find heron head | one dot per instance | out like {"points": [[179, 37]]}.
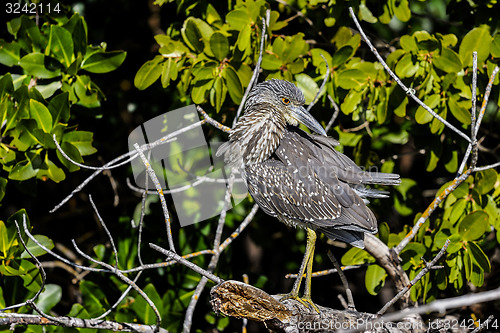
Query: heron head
{"points": [[287, 99]]}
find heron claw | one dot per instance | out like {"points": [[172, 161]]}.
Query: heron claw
{"points": [[305, 300]]}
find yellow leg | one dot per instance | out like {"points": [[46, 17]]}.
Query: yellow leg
{"points": [[305, 267]]}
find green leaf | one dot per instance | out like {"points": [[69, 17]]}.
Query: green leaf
{"points": [[406, 67], [479, 40], [61, 45], [35, 65], [218, 93], [308, 86], [143, 309], [31, 276], [233, 84], [408, 43], [192, 35], [404, 198], [421, 115], [148, 73], [3, 188], [495, 46], [374, 279], [93, 297], [51, 171], [9, 53], [104, 62], [244, 38], [271, 62], [73, 153], [82, 140], [23, 170], [47, 90], [458, 111], [478, 256], [402, 10], [341, 55], [474, 225], [351, 101], [238, 19], [59, 108], [49, 297], [219, 45], [356, 256], [199, 90], [448, 61], [35, 249], [42, 115], [486, 180], [351, 78], [8, 238], [365, 14], [383, 232]]}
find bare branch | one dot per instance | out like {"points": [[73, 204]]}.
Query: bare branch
{"points": [[334, 115], [325, 80], [240, 228], [424, 271], [484, 325], [407, 90], [124, 278], [188, 319], [211, 121], [430, 209], [265, 23], [188, 264], [128, 157], [439, 306], [29, 319], [153, 177], [350, 300]]}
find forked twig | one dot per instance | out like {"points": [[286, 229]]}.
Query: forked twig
{"points": [[424, 271], [407, 90]]}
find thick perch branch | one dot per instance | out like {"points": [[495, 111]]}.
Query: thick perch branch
{"points": [[240, 300]]}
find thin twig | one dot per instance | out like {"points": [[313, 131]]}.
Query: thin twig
{"points": [[407, 90], [113, 247], [38, 266], [334, 115], [484, 325], [439, 306], [350, 300], [328, 271], [131, 155], [153, 177], [240, 228], [125, 279], [212, 121], [325, 80], [188, 319], [188, 264], [9, 319], [265, 23], [424, 271], [430, 209]]}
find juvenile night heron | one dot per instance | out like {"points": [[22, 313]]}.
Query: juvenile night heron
{"points": [[300, 178]]}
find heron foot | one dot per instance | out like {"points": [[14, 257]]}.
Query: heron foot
{"points": [[304, 300]]}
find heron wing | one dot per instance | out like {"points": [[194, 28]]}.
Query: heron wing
{"points": [[318, 152], [304, 199]]}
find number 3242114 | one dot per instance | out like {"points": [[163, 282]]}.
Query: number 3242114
{"points": [[31, 8]]}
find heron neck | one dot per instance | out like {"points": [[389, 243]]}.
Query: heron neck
{"points": [[259, 132]]}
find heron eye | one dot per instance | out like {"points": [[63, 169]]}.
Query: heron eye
{"points": [[285, 100]]}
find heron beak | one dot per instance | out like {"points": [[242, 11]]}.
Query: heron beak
{"points": [[304, 117]]}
